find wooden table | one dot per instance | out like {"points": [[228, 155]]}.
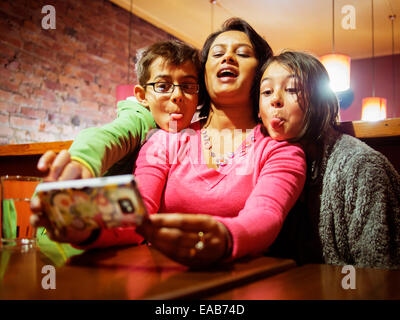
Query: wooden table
{"points": [[136, 272], [319, 282]]}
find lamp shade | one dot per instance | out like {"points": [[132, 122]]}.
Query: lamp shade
{"points": [[338, 67], [373, 109]]}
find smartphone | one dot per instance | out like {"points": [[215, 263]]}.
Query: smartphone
{"points": [[104, 202]]}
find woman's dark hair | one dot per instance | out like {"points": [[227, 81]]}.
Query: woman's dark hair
{"points": [[261, 48], [315, 96]]}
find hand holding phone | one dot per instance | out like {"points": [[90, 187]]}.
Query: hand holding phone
{"points": [[87, 204]]}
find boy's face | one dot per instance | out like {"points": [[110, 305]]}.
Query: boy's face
{"points": [[280, 111], [171, 111]]}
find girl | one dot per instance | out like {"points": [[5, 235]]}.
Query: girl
{"points": [[350, 209]]}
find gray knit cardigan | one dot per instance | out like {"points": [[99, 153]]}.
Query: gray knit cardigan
{"points": [[359, 216]]}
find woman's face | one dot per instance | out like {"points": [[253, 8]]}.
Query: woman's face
{"points": [[230, 68], [280, 111]]}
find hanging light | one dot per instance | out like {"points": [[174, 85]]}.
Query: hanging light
{"points": [[212, 5], [125, 91], [337, 65], [373, 108]]}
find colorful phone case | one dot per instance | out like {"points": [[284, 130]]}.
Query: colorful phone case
{"points": [[91, 204]]}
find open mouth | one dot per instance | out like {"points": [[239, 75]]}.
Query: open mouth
{"points": [[227, 73]]}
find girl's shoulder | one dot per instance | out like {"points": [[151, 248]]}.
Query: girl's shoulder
{"points": [[351, 154]]}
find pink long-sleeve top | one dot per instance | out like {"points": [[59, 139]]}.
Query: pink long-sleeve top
{"points": [[251, 195]]}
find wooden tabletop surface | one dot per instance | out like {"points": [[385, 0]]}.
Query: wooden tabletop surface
{"points": [[136, 272], [317, 282]]}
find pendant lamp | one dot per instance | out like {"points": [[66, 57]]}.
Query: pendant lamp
{"points": [[337, 65], [373, 108], [125, 91]]}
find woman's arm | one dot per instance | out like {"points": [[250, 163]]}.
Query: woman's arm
{"points": [[278, 187], [281, 179]]}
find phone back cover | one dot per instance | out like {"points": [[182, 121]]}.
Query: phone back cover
{"points": [[109, 206]]}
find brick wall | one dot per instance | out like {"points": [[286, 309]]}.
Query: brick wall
{"points": [[55, 82]]}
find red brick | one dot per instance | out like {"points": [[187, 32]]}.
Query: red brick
{"points": [[52, 85], [6, 131], [5, 95], [86, 76], [8, 107], [6, 51], [52, 127], [51, 106], [33, 82], [18, 77], [90, 105], [26, 89], [11, 39], [33, 113], [68, 81], [28, 24], [23, 101], [4, 119], [105, 99], [39, 51], [37, 136], [45, 94], [8, 85], [23, 123]]}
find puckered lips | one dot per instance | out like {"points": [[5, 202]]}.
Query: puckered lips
{"points": [[277, 122], [227, 73], [176, 116]]}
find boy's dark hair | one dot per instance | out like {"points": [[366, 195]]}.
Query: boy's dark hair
{"points": [[174, 52], [262, 52], [315, 96]]}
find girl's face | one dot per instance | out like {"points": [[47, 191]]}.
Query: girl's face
{"points": [[230, 68], [279, 107]]}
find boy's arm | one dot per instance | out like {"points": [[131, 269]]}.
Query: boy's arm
{"points": [[99, 149]]}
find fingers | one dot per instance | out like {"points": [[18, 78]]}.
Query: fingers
{"points": [[186, 222], [53, 162], [46, 160], [58, 165], [74, 170], [193, 240], [35, 204]]}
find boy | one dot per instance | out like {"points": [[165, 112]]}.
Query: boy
{"points": [[168, 74]]}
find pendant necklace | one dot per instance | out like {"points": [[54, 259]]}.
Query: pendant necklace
{"points": [[224, 159]]}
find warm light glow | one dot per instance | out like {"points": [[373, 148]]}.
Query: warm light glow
{"points": [[338, 67], [373, 109]]}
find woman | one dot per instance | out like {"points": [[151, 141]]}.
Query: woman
{"points": [[351, 207], [248, 181], [243, 186]]}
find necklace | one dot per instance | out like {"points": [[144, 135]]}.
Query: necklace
{"points": [[224, 159]]}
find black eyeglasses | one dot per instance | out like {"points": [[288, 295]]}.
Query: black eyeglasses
{"points": [[167, 87]]}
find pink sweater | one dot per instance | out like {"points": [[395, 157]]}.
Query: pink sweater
{"points": [[251, 195]]}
